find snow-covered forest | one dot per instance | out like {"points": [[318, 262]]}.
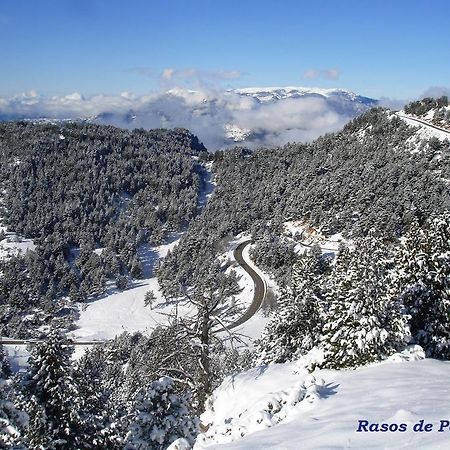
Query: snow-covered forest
{"points": [[358, 284]]}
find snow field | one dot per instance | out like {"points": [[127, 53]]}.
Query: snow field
{"points": [[310, 236], [255, 409], [251, 401], [12, 244], [120, 311]]}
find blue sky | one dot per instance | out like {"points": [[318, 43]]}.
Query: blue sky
{"points": [[379, 48]]}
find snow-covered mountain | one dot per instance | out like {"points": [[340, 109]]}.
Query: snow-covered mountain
{"points": [[339, 101], [251, 116], [269, 94]]}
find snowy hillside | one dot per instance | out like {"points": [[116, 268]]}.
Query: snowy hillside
{"points": [[283, 407], [118, 311], [425, 128], [344, 288], [10, 243], [429, 111]]}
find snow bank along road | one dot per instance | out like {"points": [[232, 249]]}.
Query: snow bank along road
{"points": [[260, 285], [423, 122], [258, 298]]}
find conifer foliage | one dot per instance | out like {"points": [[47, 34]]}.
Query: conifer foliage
{"points": [[352, 310], [52, 400], [424, 260], [161, 416], [296, 324], [364, 320], [12, 419], [89, 202]]}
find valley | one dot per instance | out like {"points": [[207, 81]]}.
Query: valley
{"points": [[162, 264]]}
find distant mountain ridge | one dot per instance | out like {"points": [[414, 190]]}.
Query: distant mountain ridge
{"points": [[279, 93], [256, 116]]}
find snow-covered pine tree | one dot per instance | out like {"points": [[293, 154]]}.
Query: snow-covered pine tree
{"points": [[12, 420], [424, 260], [51, 397], [100, 412], [5, 368], [364, 321], [160, 417], [136, 268], [296, 323], [149, 299]]}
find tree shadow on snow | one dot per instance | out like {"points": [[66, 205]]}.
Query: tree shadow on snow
{"points": [[148, 257], [328, 390]]}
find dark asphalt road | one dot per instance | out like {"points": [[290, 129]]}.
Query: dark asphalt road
{"points": [[258, 299], [424, 123], [260, 287]]}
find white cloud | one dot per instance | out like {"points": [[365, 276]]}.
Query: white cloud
{"points": [[207, 112], [392, 103], [167, 74], [436, 91], [331, 74], [328, 74], [311, 74], [292, 119], [171, 77], [196, 78]]}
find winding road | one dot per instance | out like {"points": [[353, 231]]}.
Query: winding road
{"points": [[258, 299], [423, 122], [260, 286]]}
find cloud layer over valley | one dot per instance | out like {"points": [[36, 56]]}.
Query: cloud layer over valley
{"points": [[220, 118]]}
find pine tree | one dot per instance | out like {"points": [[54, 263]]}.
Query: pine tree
{"points": [[52, 399], [136, 268], [161, 416], [296, 323], [149, 299], [203, 333], [99, 412], [364, 321], [424, 260], [121, 282], [5, 368], [12, 420]]}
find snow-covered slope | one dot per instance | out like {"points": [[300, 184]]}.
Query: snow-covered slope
{"points": [[282, 407], [12, 244], [118, 311], [425, 129]]}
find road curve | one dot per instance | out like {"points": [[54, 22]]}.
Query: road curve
{"points": [[260, 286], [423, 122], [258, 299]]}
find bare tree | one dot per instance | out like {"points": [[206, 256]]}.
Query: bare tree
{"points": [[211, 309]]}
